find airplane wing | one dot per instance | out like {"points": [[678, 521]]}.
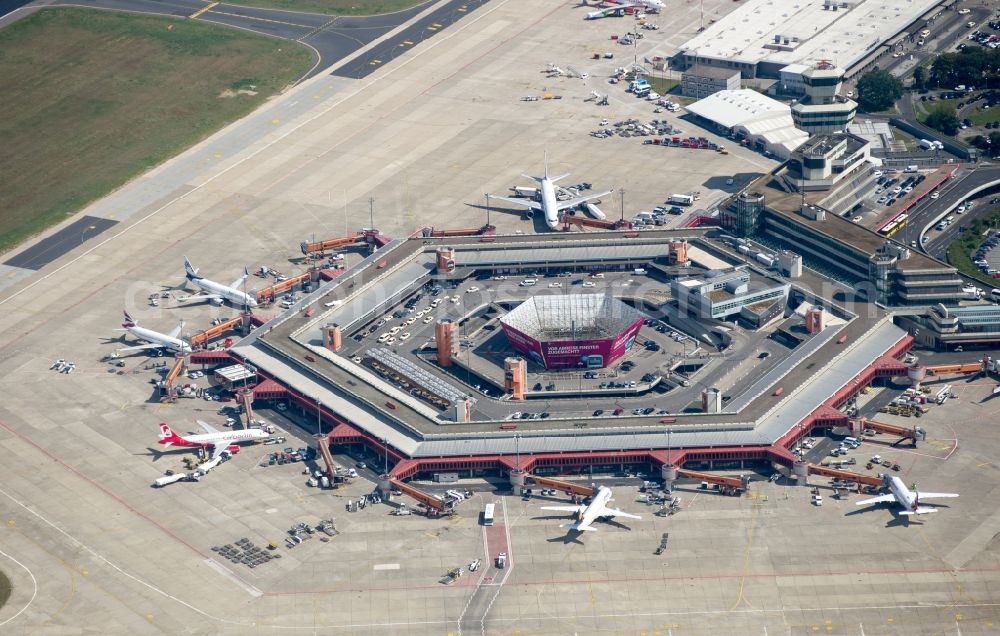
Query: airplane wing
{"points": [[197, 298], [879, 499], [614, 512], [575, 201], [534, 205], [562, 508], [921, 495], [176, 330], [219, 448], [208, 427], [139, 347]]}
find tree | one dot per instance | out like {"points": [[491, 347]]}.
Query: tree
{"points": [[919, 77], [995, 143], [878, 90], [943, 118]]}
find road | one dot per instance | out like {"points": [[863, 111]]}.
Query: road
{"points": [[956, 191], [331, 38]]}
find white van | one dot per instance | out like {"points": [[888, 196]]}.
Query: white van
{"points": [[639, 271], [528, 282]]}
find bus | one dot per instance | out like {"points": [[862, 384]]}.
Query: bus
{"points": [[894, 225], [488, 514]]}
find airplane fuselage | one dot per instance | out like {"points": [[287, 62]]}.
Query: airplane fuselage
{"points": [[550, 207], [647, 4], [593, 511], [904, 497], [157, 338], [214, 439], [235, 296]]}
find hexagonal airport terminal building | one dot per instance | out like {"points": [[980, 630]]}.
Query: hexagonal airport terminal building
{"points": [[572, 330]]}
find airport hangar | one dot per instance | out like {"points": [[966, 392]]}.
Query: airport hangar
{"points": [[293, 354]]}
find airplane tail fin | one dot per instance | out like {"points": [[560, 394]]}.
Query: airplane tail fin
{"points": [[578, 527], [191, 270], [167, 436], [129, 321]]}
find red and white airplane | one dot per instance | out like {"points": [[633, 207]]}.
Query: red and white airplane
{"points": [[219, 440]]}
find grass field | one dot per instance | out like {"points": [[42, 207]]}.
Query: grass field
{"points": [[5, 589], [94, 98], [335, 7], [982, 117]]}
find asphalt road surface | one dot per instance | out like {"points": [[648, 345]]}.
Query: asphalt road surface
{"points": [[954, 193], [49, 249], [416, 33], [332, 38]]}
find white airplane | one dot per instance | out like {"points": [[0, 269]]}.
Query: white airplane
{"points": [[554, 71], [217, 293], [219, 440], [651, 5], [655, 5], [154, 339], [586, 515], [549, 206], [910, 501]]}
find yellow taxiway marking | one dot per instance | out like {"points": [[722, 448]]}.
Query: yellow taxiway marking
{"points": [[463, 8], [275, 121], [207, 7], [434, 27], [375, 62]]}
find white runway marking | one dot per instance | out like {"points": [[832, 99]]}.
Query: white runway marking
{"points": [[34, 592], [224, 571]]}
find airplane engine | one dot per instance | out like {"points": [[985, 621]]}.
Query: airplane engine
{"points": [[529, 214], [216, 301]]}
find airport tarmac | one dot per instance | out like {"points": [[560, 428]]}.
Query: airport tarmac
{"points": [[768, 561], [88, 544]]}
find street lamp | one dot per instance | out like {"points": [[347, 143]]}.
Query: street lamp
{"points": [[487, 208], [517, 450], [385, 447], [319, 417]]}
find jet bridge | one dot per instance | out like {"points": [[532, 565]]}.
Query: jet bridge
{"points": [[845, 475], [565, 486], [916, 434], [371, 237], [428, 500]]}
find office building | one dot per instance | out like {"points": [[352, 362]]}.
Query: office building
{"points": [[720, 294], [700, 81]]}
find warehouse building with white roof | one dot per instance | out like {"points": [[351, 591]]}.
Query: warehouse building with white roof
{"points": [[766, 123], [763, 36]]}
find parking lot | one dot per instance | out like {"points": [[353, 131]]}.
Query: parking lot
{"points": [[664, 373]]}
